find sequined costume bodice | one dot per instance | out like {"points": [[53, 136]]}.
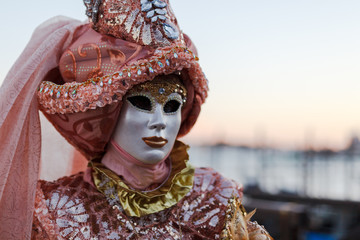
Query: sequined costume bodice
{"points": [[71, 208]]}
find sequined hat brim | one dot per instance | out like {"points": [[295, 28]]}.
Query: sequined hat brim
{"points": [[75, 96]]}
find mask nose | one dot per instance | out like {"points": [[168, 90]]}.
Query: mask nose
{"points": [[157, 120]]}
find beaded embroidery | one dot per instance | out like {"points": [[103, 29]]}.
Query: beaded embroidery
{"points": [[238, 225], [147, 22], [160, 89]]}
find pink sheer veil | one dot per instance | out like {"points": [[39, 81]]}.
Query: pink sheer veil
{"points": [[20, 134]]}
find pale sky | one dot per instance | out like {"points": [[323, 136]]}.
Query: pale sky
{"points": [[283, 71]]}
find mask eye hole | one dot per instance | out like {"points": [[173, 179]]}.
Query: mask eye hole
{"points": [[141, 102], [171, 106]]}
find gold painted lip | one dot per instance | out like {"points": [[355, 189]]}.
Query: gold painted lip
{"points": [[155, 142]]}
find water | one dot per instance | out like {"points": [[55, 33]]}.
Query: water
{"points": [[334, 176]]}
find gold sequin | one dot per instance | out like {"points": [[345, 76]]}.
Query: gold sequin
{"points": [[161, 88]]}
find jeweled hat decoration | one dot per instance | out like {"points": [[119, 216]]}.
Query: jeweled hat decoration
{"points": [[147, 22]]}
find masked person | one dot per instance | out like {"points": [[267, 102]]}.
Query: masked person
{"points": [[121, 89]]}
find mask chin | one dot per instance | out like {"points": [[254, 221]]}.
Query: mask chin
{"points": [[155, 157]]}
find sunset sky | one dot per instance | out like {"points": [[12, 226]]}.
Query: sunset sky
{"points": [[281, 73]]}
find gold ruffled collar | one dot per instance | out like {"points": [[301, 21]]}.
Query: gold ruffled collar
{"points": [[137, 203]]}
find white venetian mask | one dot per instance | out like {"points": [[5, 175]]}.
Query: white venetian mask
{"points": [[149, 121]]}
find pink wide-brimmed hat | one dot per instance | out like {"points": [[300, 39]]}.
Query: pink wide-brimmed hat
{"points": [[126, 43]]}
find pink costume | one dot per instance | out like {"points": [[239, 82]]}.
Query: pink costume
{"points": [[78, 75], [134, 172]]}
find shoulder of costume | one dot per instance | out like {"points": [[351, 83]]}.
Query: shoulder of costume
{"points": [[63, 183], [211, 183]]}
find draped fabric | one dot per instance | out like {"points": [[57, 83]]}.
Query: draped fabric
{"points": [[20, 125]]}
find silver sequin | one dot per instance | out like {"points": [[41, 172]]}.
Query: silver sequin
{"points": [[146, 6], [146, 36], [158, 36], [207, 216], [86, 232], [113, 235], [170, 31], [206, 182], [154, 19], [162, 17], [62, 201], [81, 218], [136, 32], [214, 221], [160, 11], [150, 14], [54, 200], [159, 4], [76, 209], [66, 231], [129, 22], [69, 204]]}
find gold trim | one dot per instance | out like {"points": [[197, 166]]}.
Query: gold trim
{"points": [[238, 225], [160, 88], [236, 221]]}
